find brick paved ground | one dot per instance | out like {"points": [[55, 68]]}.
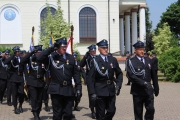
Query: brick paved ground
{"points": [[167, 105]]}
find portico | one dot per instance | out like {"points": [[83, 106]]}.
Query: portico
{"points": [[128, 24]]}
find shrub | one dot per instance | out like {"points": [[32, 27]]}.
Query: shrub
{"points": [[3, 48], [169, 64]]}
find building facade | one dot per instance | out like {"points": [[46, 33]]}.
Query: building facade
{"points": [[93, 20]]}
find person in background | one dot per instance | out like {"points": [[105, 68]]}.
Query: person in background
{"points": [[155, 61], [17, 79], [88, 61], [77, 98], [9, 88], [127, 58], [3, 76]]}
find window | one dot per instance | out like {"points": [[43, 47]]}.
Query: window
{"points": [[43, 15], [87, 25], [44, 12]]}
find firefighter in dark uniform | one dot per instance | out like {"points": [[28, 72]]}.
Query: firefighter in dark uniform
{"points": [[9, 88], [35, 80], [155, 61], [62, 69], [140, 70], [17, 80], [25, 75], [3, 76], [87, 61], [127, 58], [100, 82], [82, 72]]}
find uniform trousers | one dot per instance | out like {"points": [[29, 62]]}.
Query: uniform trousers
{"points": [[62, 106], [2, 88], [105, 107], [9, 91], [17, 91], [139, 102], [91, 103], [45, 96], [36, 94]]}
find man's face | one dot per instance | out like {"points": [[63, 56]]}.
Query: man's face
{"points": [[62, 49], [127, 55], [140, 52], [92, 52], [103, 50], [17, 53]]}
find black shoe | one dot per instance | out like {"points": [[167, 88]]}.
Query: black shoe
{"points": [[93, 115], [16, 111], [47, 109], [9, 103], [73, 116], [36, 116], [20, 109], [0, 102], [76, 109]]}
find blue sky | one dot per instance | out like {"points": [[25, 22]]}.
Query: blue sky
{"points": [[157, 7]]}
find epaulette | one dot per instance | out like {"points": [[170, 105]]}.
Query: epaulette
{"points": [[53, 54], [132, 57]]}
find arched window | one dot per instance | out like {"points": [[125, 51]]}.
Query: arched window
{"points": [[43, 15], [44, 12], [87, 25]]}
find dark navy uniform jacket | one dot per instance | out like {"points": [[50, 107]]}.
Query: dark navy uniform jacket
{"points": [[17, 75], [97, 84], [3, 70], [155, 63], [60, 75], [87, 62], [138, 80], [34, 78]]}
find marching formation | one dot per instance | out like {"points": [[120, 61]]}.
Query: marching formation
{"points": [[38, 73]]}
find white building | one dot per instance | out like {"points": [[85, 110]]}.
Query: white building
{"points": [[93, 20]]}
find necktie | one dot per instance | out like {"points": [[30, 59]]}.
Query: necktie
{"points": [[19, 59], [142, 60], [62, 56], [105, 60]]}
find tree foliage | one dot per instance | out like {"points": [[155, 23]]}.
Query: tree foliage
{"points": [[171, 16], [148, 21], [163, 39], [3, 48], [169, 64], [54, 24], [149, 42]]}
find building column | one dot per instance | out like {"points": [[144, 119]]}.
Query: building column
{"points": [[127, 31], [121, 37], [134, 28], [142, 23]]}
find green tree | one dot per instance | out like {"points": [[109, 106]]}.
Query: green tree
{"points": [[149, 35], [54, 24], [171, 16], [148, 21], [169, 64], [162, 40]]}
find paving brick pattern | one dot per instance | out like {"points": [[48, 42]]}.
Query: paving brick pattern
{"points": [[167, 105]]}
